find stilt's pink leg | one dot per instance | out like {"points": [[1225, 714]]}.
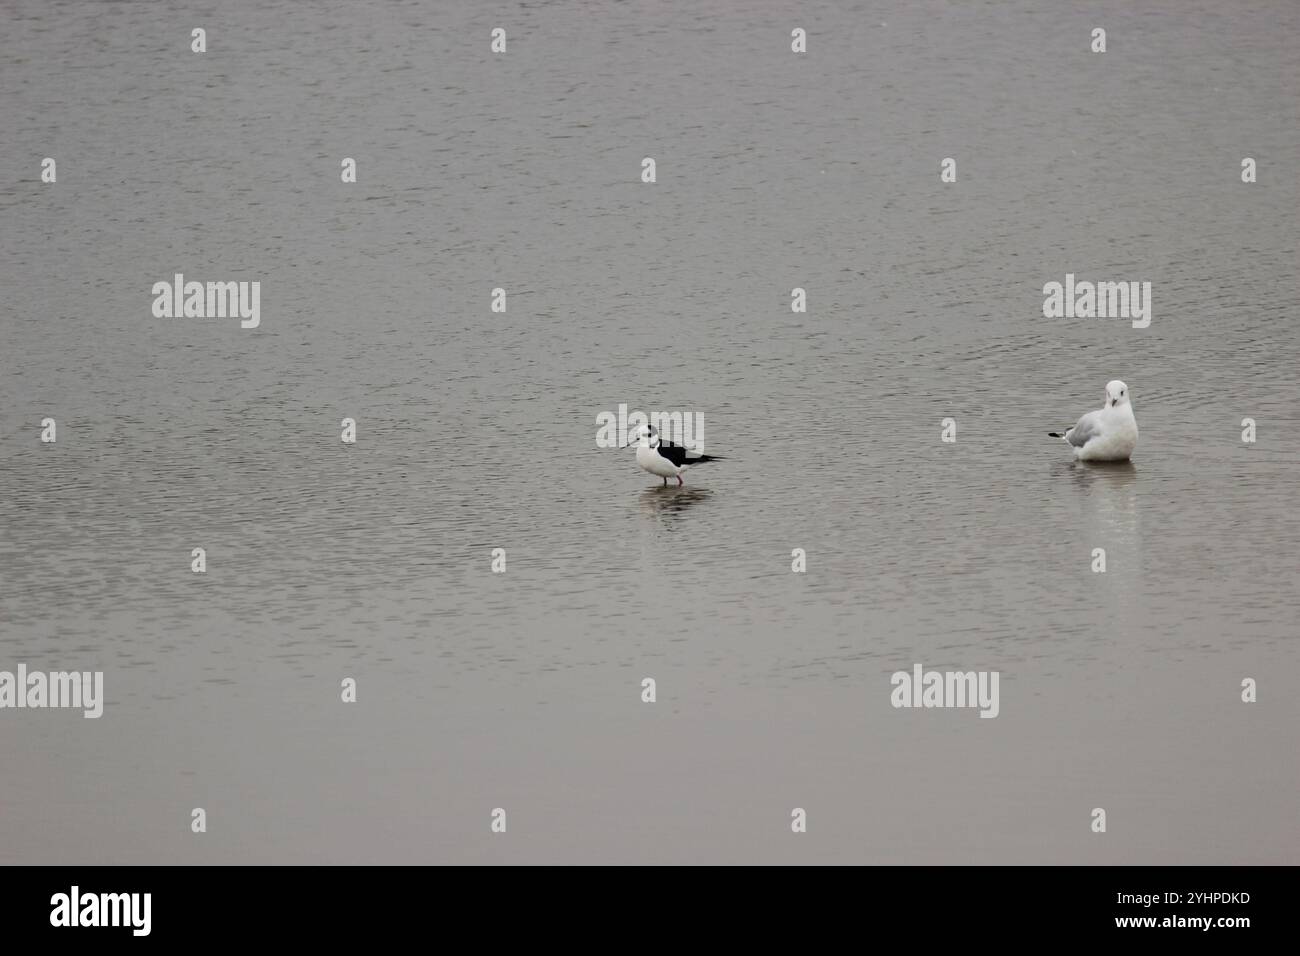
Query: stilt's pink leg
{"points": [[679, 481]]}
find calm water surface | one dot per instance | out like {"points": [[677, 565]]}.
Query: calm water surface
{"points": [[477, 431]]}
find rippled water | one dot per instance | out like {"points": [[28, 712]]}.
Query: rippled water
{"points": [[477, 431]]}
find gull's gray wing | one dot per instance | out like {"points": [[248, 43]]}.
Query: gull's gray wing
{"points": [[1089, 426]]}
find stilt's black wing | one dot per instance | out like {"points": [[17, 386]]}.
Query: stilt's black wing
{"points": [[674, 453], [679, 456]]}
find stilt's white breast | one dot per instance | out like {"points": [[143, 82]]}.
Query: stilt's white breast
{"points": [[655, 463]]}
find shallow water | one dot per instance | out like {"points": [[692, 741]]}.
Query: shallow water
{"points": [[477, 431]]}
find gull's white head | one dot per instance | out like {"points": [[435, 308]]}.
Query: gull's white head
{"points": [[1116, 394]]}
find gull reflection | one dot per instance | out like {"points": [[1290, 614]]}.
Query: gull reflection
{"points": [[1110, 513]]}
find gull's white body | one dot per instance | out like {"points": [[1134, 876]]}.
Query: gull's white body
{"points": [[1108, 434], [1118, 438]]}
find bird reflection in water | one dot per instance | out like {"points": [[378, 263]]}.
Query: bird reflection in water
{"points": [[672, 502], [1112, 474], [1109, 488], [1110, 516]]}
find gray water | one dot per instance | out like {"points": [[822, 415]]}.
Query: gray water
{"points": [[476, 430]]}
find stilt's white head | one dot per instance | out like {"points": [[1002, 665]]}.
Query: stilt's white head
{"points": [[646, 435], [1116, 394]]}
